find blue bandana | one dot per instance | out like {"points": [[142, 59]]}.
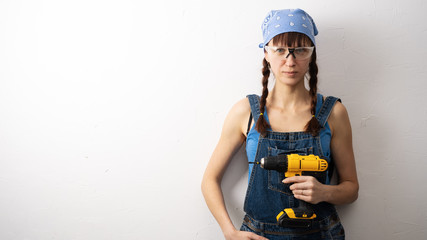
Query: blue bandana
{"points": [[287, 20]]}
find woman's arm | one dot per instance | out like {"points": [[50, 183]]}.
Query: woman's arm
{"points": [[346, 191], [342, 151], [232, 138]]}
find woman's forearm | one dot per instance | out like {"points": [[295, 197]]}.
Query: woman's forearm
{"points": [[214, 199], [343, 193]]}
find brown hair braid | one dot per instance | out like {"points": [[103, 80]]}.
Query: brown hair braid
{"points": [[262, 125], [313, 125]]}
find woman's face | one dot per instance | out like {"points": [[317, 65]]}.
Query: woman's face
{"points": [[288, 64]]}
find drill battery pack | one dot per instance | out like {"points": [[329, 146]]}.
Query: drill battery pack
{"points": [[296, 217]]}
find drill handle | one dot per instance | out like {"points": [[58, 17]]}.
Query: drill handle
{"points": [[304, 210], [320, 176]]}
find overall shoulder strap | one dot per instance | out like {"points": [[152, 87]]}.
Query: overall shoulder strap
{"points": [[326, 110], [254, 102]]}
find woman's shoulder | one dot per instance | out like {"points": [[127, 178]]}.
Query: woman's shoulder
{"points": [[239, 114], [339, 111], [339, 118], [241, 107]]}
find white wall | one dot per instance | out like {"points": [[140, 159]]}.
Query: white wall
{"points": [[110, 111]]}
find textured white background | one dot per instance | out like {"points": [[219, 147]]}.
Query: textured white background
{"points": [[109, 111]]}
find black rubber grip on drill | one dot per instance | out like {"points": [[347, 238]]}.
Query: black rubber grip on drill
{"points": [[278, 163]]}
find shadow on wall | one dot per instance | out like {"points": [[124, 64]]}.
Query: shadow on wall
{"points": [[363, 80], [234, 185]]}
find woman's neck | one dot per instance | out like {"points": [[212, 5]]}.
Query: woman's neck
{"points": [[286, 97]]}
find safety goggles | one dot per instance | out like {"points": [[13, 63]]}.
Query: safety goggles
{"points": [[299, 53]]}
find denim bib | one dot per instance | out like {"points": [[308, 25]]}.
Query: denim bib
{"points": [[266, 195]]}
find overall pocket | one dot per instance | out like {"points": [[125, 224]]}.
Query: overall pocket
{"points": [[275, 178]]}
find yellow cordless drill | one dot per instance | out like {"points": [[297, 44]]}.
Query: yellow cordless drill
{"points": [[297, 165]]}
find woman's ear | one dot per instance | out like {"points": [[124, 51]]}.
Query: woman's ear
{"points": [[266, 57]]}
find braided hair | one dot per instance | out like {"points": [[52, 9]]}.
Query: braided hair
{"points": [[262, 125], [288, 39]]}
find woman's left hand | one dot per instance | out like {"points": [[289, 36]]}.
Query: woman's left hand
{"points": [[306, 188]]}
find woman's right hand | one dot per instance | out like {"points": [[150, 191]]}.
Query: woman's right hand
{"points": [[242, 235]]}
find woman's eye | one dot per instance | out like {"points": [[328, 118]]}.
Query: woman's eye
{"points": [[280, 50], [300, 50]]}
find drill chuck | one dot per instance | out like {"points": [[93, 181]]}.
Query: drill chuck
{"points": [[278, 163]]}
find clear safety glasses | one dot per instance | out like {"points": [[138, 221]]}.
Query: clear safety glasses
{"points": [[299, 53]]}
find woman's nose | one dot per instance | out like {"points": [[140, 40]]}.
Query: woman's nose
{"points": [[290, 60]]}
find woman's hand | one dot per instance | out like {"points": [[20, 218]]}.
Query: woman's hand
{"points": [[242, 235], [306, 188]]}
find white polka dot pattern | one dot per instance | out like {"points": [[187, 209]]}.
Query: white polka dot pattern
{"points": [[287, 20]]}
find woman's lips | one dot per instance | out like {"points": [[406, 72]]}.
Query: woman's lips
{"points": [[290, 73]]}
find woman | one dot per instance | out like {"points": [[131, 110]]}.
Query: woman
{"points": [[288, 119]]}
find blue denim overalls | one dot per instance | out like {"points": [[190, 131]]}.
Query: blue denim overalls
{"points": [[267, 195]]}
